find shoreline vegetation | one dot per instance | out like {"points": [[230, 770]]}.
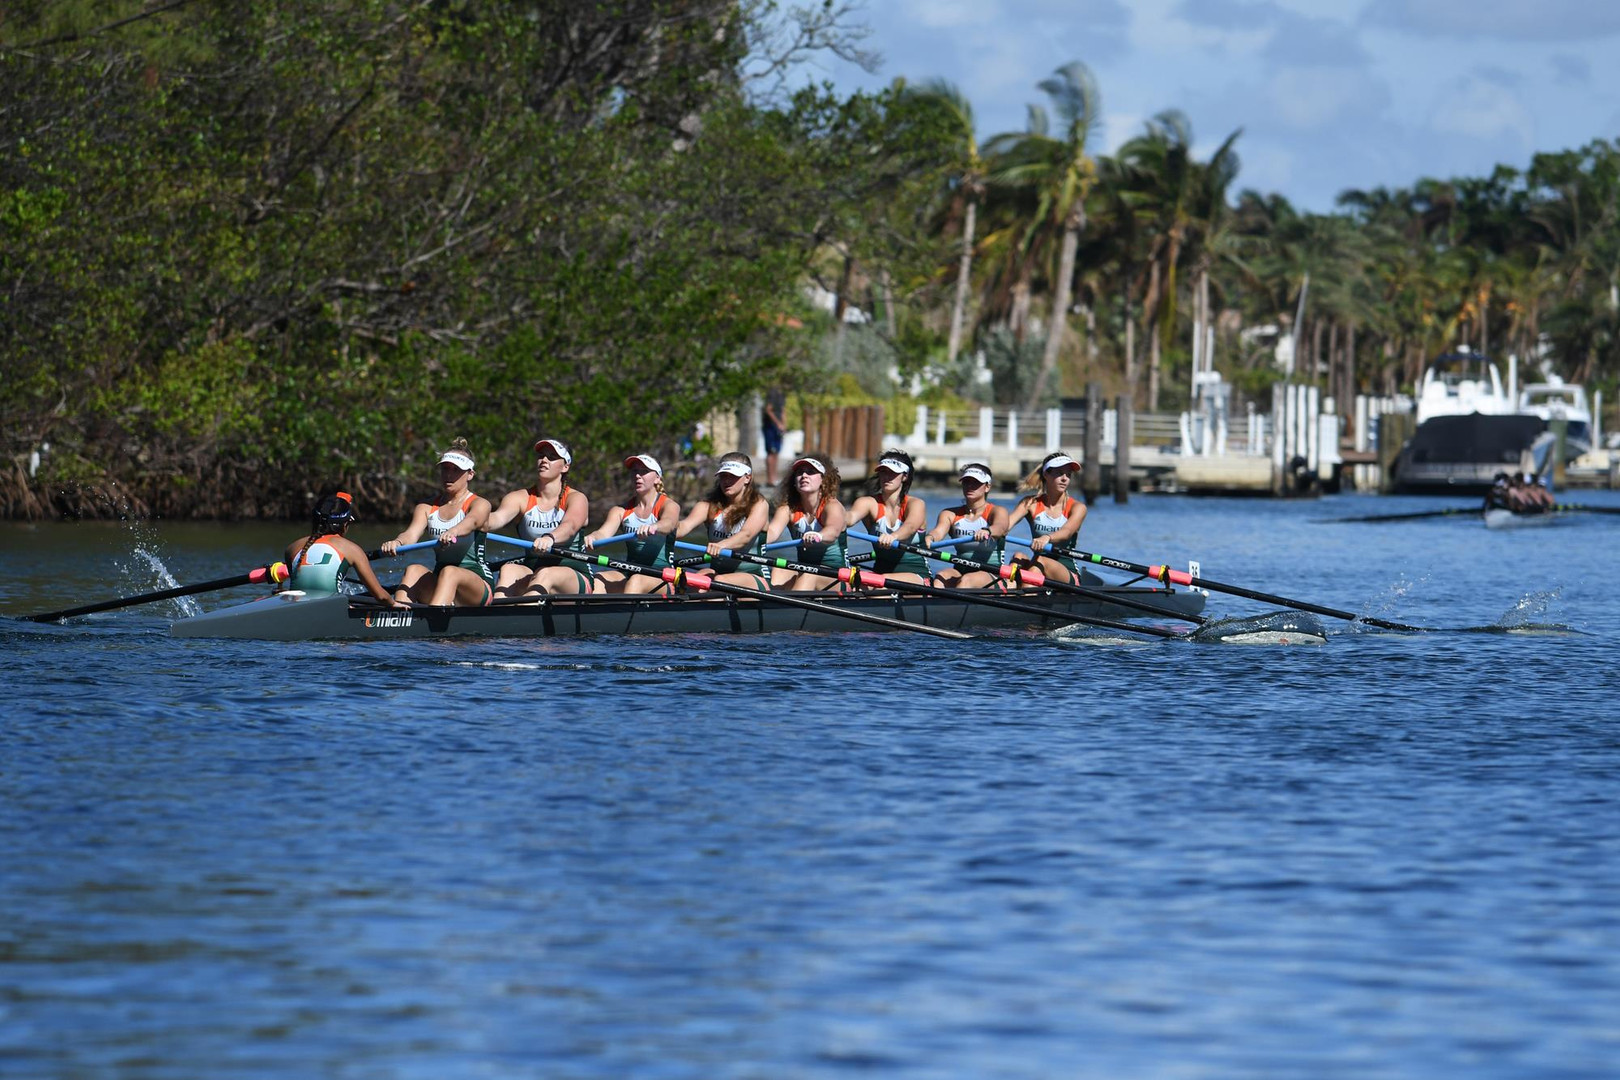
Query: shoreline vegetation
{"points": [[249, 251]]}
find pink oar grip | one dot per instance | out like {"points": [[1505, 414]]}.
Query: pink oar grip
{"points": [[1164, 573]]}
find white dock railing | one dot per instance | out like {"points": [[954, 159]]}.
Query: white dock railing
{"points": [[1045, 430]]}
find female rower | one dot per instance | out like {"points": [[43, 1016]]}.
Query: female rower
{"points": [[460, 575], [549, 515], [896, 518], [979, 518], [808, 511], [735, 514], [319, 561], [648, 513], [1054, 517]]}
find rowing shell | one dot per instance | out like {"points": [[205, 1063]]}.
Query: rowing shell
{"points": [[294, 616], [1498, 517]]}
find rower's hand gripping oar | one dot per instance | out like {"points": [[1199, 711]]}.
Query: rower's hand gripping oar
{"points": [[871, 580], [274, 574], [1028, 575], [1168, 576], [675, 575]]}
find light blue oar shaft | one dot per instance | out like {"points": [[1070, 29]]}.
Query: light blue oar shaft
{"points": [[513, 541], [948, 543], [780, 544]]}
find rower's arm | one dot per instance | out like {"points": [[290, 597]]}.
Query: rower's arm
{"points": [[1071, 527], [575, 515], [609, 527], [356, 557], [413, 532], [698, 515], [477, 520], [511, 505]]}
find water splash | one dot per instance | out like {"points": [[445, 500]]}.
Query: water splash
{"points": [[147, 571], [1387, 604], [1277, 628]]}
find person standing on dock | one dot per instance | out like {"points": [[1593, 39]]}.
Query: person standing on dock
{"points": [[976, 517], [1054, 516], [773, 425]]}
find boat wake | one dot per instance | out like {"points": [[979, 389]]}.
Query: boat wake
{"points": [[1277, 628]]}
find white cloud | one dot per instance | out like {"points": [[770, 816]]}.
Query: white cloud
{"points": [[1480, 109]]}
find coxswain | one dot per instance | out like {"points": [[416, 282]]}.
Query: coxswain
{"points": [[1054, 516], [321, 562], [460, 575], [648, 513], [976, 517], [808, 511], [895, 518], [549, 515]]}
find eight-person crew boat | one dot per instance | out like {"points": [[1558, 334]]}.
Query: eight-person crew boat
{"points": [[549, 515], [648, 513], [460, 573]]}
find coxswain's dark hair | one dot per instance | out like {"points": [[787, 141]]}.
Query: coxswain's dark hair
{"points": [[334, 513]]}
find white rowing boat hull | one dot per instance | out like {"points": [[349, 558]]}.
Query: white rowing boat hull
{"points": [[295, 617], [1500, 518]]}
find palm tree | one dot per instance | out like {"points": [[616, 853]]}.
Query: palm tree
{"points": [[968, 180], [1061, 172]]}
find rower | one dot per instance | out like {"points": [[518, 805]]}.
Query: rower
{"points": [[976, 517], [648, 513], [458, 523], [549, 515], [808, 511], [321, 561], [1054, 516], [734, 515], [895, 517]]}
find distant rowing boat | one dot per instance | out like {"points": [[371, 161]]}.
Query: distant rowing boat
{"points": [[293, 616]]}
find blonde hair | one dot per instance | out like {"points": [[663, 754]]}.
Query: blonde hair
{"points": [[1036, 481], [458, 445]]}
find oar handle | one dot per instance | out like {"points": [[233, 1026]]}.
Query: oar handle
{"points": [[513, 541], [780, 544], [621, 538], [402, 549], [686, 545]]}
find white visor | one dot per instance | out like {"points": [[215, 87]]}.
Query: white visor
{"points": [[813, 463], [1062, 461], [458, 459], [645, 459], [734, 468], [558, 448], [894, 465], [976, 472]]}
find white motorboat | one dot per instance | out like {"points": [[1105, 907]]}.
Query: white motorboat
{"points": [[1461, 384], [1557, 400]]}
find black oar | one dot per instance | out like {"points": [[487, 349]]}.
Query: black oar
{"points": [[275, 573], [704, 583], [1180, 577], [1029, 575], [871, 580], [1454, 511], [1581, 508]]}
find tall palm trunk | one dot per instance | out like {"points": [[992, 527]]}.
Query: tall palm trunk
{"points": [[964, 273], [1149, 313], [1060, 309]]}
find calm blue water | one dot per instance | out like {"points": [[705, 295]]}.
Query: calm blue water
{"points": [[820, 856]]}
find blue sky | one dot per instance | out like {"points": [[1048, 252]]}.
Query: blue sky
{"points": [[1330, 94]]}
